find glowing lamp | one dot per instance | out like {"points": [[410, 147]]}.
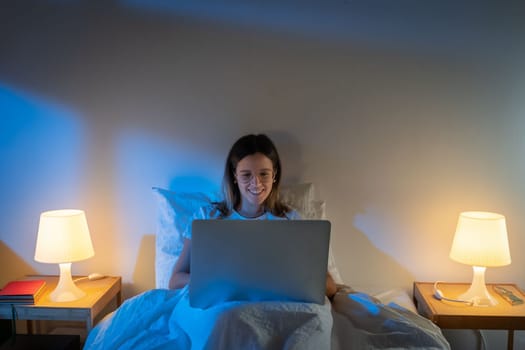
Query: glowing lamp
{"points": [[480, 241], [63, 238]]}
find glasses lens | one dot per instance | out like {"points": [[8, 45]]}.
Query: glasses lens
{"points": [[247, 177]]}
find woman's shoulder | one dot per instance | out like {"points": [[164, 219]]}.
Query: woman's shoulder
{"points": [[289, 215], [293, 215], [209, 211]]}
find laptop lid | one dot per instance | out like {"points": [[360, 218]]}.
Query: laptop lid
{"points": [[258, 260]]}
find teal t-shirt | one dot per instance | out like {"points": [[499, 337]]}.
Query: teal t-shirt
{"points": [[211, 212]]}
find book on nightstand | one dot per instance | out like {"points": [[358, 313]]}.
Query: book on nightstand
{"points": [[22, 292]]}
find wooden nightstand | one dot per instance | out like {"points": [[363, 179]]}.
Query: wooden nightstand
{"points": [[99, 295], [452, 315]]}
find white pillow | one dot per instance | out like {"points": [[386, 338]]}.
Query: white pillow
{"points": [[302, 198], [175, 210], [299, 197]]}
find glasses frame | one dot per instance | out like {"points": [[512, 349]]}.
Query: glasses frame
{"points": [[239, 178]]}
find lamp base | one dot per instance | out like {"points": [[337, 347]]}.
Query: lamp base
{"points": [[66, 290], [478, 294]]}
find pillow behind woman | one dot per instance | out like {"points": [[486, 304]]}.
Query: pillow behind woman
{"points": [[175, 210]]}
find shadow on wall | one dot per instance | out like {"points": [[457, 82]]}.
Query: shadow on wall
{"points": [[291, 153], [144, 273], [18, 268], [372, 269], [372, 264], [380, 23]]}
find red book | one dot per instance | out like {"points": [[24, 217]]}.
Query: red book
{"points": [[22, 292]]}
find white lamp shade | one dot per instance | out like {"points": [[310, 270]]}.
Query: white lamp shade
{"points": [[481, 240], [63, 237]]}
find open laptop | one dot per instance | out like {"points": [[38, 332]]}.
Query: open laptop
{"points": [[258, 260]]}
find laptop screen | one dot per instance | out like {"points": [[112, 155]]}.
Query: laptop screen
{"points": [[258, 260]]}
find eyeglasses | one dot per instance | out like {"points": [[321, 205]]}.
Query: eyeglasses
{"points": [[265, 176]]}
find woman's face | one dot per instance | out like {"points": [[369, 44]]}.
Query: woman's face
{"points": [[254, 175]]}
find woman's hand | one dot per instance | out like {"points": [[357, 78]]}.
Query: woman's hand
{"points": [[331, 287]]}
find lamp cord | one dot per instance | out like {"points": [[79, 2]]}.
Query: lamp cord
{"points": [[483, 341]]}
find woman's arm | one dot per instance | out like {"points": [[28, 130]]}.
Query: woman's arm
{"points": [[181, 271], [331, 287]]}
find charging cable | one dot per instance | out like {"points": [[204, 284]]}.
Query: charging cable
{"points": [[438, 294], [92, 277]]}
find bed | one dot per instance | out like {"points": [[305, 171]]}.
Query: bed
{"points": [[162, 318]]}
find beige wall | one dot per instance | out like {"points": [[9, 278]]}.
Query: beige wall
{"points": [[398, 135]]}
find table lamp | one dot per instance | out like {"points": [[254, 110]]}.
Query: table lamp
{"points": [[481, 241], [63, 238]]}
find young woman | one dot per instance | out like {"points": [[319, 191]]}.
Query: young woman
{"points": [[162, 319], [252, 176]]}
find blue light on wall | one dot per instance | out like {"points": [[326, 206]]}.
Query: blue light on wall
{"points": [[41, 156], [143, 161]]}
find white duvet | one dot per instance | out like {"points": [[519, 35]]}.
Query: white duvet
{"points": [[163, 319]]}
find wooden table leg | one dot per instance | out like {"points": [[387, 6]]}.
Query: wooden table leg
{"points": [[510, 339]]}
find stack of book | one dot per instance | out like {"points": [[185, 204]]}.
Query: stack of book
{"points": [[22, 292]]}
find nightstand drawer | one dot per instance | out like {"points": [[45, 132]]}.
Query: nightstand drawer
{"points": [[53, 314], [42, 342]]}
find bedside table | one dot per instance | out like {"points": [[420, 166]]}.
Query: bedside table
{"points": [[99, 294], [454, 315]]}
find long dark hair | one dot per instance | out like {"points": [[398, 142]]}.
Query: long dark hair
{"points": [[245, 146]]}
